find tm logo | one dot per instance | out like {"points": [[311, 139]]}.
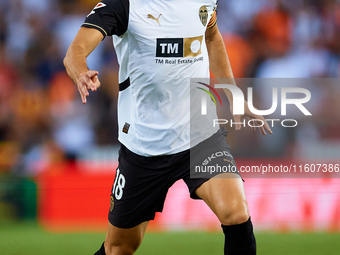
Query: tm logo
{"points": [[204, 99]]}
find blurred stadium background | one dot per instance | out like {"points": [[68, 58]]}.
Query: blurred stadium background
{"points": [[58, 157]]}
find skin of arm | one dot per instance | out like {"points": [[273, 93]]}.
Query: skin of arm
{"points": [[221, 68], [86, 40]]}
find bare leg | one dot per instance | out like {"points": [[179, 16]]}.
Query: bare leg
{"points": [[226, 197], [121, 241]]}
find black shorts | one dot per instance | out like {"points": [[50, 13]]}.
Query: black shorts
{"points": [[141, 183]]}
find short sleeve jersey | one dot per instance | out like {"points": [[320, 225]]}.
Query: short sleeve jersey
{"points": [[160, 45]]}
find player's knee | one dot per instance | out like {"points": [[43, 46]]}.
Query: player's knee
{"points": [[120, 247], [233, 214]]}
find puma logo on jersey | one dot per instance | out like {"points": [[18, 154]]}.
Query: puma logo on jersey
{"points": [[99, 5], [157, 19]]}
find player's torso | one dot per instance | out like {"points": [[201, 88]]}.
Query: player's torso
{"points": [[163, 47]]}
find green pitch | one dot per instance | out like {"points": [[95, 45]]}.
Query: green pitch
{"points": [[29, 239]]}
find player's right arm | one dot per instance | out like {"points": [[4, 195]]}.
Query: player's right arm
{"points": [[86, 40], [108, 17]]}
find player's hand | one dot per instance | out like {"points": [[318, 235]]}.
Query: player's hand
{"points": [[263, 125], [87, 81]]}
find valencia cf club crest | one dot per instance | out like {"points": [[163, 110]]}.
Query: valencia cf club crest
{"points": [[203, 12]]}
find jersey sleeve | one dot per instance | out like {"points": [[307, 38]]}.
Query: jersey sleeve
{"points": [[110, 17], [213, 19]]}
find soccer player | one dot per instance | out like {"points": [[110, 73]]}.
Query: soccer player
{"points": [[160, 45]]}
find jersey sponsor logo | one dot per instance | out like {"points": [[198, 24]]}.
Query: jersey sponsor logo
{"points": [[157, 19], [169, 47], [203, 13], [99, 5], [179, 47], [216, 155]]}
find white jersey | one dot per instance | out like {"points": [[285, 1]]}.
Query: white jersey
{"points": [[160, 45]]}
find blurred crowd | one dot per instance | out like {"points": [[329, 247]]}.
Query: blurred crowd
{"points": [[41, 115]]}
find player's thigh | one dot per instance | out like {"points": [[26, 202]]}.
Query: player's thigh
{"points": [[124, 240], [225, 195]]}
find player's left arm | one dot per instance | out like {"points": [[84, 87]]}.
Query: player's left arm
{"points": [[221, 68]]}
